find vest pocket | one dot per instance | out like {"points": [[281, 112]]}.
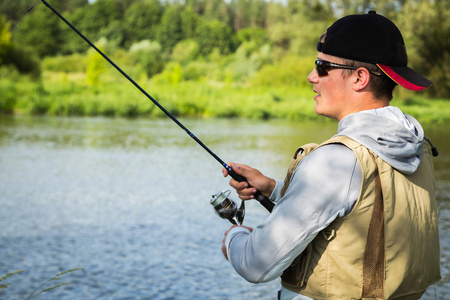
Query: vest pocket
{"points": [[295, 274]]}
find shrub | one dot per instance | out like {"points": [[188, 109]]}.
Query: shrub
{"points": [[290, 71], [148, 54], [9, 97], [185, 51], [173, 73], [65, 63]]}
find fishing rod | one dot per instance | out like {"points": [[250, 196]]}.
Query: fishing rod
{"points": [[258, 196]]}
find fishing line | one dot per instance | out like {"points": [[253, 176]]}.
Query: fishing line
{"points": [[258, 196]]}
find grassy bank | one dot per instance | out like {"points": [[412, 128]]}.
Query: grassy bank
{"points": [[68, 94]]}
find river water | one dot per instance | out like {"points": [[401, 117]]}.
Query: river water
{"points": [[127, 200]]}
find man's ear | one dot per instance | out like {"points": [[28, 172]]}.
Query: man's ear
{"points": [[361, 79]]}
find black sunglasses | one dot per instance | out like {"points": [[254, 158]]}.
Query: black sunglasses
{"points": [[322, 67]]}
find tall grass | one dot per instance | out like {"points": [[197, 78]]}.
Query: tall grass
{"points": [[49, 285], [68, 94]]}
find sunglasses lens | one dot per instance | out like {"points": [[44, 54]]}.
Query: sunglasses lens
{"points": [[321, 68]]}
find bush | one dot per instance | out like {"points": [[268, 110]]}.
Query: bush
{"points": [[290, 71], [65, 63], [185, 51], [148, 54], [9, 97], [25, 61], [257, 35], [173, 73], [96, 64], [197, 70]]}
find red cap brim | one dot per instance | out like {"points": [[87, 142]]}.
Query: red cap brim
{"points": [[406, 77]]}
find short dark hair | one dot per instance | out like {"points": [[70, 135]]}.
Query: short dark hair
{"points": [[381, 85]]}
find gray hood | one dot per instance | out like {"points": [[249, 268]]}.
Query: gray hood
{"points": [[394, 136]]}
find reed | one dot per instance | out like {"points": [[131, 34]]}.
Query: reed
{"points": [[47, 286]]}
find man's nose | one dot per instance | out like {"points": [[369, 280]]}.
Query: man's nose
{"points": [[313, 76]]}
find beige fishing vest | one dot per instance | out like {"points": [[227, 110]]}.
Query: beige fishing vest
{"points": [[387, 247]]}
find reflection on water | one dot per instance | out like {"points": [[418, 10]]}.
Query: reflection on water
{"points": [[128, 201]]}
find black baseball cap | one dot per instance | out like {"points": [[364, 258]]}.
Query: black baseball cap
{"points": [[373, 38]]}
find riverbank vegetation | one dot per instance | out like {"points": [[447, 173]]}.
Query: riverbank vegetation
{"points": [[209, 58]]}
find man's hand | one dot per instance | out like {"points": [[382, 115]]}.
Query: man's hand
{"points": [[254, 177], [224, 248]]}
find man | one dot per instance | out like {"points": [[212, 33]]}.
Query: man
{"points": [[356, 216]]}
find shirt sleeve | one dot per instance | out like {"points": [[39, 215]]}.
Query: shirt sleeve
{"points": [[324, 186], [276, 193]]}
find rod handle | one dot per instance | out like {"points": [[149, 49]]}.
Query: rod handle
{"points": [[258, 196]]}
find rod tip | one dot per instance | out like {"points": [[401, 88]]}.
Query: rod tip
{"points": [[32, 6]]}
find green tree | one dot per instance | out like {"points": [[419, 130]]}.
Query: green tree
{"points": [[258, 13], [99, 19], [257, 35], [14, 10], [425, 26], [275, 13], [124, 5], [215, 35], [197, 5], [40, 31], [170, 30], [248, 13], [189, 22], [185, 51], [69, 5], [71, 42], [216, 10], [11, 55], [141, 21], [5, 34], [96, 17], [149, 55]]}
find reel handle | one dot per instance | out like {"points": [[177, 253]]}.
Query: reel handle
{"points": [[258, 196]]}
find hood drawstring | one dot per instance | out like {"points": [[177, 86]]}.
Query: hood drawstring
{"points": [[434, 150]]}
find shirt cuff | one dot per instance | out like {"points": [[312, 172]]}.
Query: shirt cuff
{"points": [[276, 193]]}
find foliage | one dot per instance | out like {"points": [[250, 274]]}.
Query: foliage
{"points": [[148, 54], [172, 74], [69, 95], [11, 55], [39, 30], [290, 71], [215, 35], [427, 28], [254, 34], [241, 40], [141, 21], [5, 34], [42, 288], [73, 63], [185, 51], [3, 286], [99, 17], [170, 30], [9, 97], [96, 65], [189, 22]]}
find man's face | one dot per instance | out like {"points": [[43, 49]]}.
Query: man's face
{"points": [[332, 90]]}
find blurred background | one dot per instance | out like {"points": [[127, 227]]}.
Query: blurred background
{"points": [[203, 57]]}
